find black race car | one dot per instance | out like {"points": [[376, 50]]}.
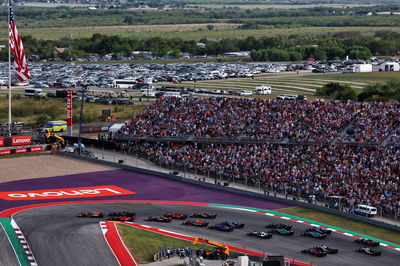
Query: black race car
{"points": [[161, 219], [221, 227], [205, 215], [260, 234], [320, 230], [327, 249], [178, 216], [233, 224], [283, 232], [367, 242], [314, 234], [90, 214], [369, 251], [279, 226], [196, 223], [121, 216], [314, 252]]}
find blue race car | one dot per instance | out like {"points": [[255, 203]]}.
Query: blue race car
{"points": [[221, 227], [233, 224], [314, 234], [320, 230], [283, 232]]}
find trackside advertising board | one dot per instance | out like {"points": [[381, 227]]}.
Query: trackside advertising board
{"points": [[5, 152], [36, 148], [69, 108], [2, 142], [65, 193], [21, 150], [21, 140]]}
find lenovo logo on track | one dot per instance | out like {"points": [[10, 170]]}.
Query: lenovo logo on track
{"points": [[64, 193]]}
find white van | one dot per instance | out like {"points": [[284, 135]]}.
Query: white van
{"points": [[365, 210], [34, 92], [261, 90]]}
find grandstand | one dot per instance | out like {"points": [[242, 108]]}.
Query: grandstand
{"points": [[298, 148]]}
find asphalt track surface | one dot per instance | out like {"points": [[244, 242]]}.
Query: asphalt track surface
{"points": [[7, 255], [58, 237]]}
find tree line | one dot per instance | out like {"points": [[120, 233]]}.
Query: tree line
{"points": [[274, 48]]}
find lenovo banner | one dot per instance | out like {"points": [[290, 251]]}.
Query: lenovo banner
{"points": [[69, 108], [21, 140], [1, 142], [21, 150], [36, 148], [65, 193], [5, 152]]}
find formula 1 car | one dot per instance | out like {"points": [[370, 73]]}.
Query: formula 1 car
{"points": [[279, 226], [161, 219], [314, 234], [260, 234], [90, 214], [327, 249], [121, 216], [367, 242], [178, 216], [204, 215], [196, 223], [369, 251], [320, 230], [314, 252], [221, 227], [233, 224], [283, 232]]}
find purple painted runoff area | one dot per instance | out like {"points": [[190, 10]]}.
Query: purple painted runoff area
{"points": [[147, 187]]}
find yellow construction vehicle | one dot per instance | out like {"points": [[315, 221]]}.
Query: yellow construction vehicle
{"points": [[53, 138], [220, 252]]}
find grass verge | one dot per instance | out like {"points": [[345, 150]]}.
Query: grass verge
{"points": [[345, 223], [24, 154], [143, 244]]}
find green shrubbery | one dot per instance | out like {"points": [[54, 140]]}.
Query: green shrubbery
{"points": [[377, 92]]}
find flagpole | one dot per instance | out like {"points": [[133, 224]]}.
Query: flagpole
{"points": [[9, 72]]}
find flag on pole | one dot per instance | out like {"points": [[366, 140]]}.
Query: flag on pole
{"points": [[17, 48]]}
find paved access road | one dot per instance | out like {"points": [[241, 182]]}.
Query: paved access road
{"points": [[58, 237]]}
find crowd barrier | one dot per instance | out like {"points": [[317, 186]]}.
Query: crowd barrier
{"points": [[227, 188]]}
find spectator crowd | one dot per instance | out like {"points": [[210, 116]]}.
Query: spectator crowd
{"points": [[315, 121], [324, 160]]}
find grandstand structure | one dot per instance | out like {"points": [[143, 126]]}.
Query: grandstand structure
{"points": [[298, 148]]}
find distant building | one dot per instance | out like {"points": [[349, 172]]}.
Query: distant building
{"points": [[389, 66], [238, 54]]}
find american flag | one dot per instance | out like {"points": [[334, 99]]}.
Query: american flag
{"points": [[17, 48]]}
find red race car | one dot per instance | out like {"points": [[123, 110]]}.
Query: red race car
{"points": [[161, 219], [90, 214], [122, 216], [367, 242], [205, 215], [196, 223], [178, 216]]}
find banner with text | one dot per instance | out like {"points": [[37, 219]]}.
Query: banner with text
{"points": [[21, 140], [69, 108], [65, 193]]}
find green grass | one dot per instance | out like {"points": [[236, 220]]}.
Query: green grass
{"points": [[345, 223], [144, 244], [29, 110], [135, 32]]}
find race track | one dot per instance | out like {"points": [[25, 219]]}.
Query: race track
{"points": [[58, 237]]}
